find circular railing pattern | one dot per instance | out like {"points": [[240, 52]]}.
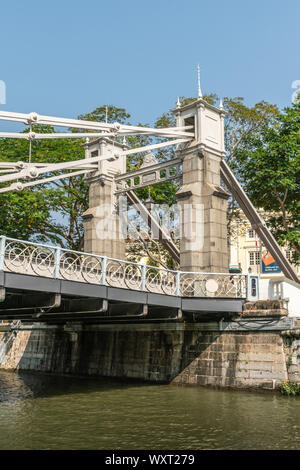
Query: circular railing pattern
{"points": [[235, 286], [42, 260], [160, 281], [91, 269], [115, 274], [187, 285], [70, 266], [29, 259], [206, 285], [17, 255], [133, 276], [119, 274], [153, 280], [168, 284]]}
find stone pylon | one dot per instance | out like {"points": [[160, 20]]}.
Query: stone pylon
{"points": [[103, 234], [201, 199]]}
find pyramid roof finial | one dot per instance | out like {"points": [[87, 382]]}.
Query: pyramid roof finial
{"points": [[199, 86]]}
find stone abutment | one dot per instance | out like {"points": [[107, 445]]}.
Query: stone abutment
{"points": [[177, 353]]}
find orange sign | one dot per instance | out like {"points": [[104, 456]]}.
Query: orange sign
{"points": [[267, 258]]}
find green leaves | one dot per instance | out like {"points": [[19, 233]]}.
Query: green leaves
{"points": [[112, 113], [44, 213], [269, 168], [50, 212]]}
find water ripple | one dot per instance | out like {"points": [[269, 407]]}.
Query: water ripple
{"points": [[47, 412]]}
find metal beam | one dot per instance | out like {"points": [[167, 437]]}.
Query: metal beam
{"points": [[20, 186], [257, 223], [20, 302], [165, 239], [54, 135]]}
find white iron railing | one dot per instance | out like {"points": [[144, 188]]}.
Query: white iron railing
{"points": [[44, 260]]}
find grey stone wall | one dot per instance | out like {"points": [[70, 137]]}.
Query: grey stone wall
{"points": [[236, 359], [291, 346], [178, 354]]}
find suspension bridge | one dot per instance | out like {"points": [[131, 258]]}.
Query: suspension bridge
{"points": [[40, 282]]}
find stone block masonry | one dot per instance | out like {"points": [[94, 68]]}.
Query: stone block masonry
{"points": [[175, 353], [291, 345], [238, 360]]}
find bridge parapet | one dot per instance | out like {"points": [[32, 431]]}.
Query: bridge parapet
{"points": [[23, 257]]}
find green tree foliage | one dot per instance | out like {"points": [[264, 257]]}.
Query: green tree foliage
{"points": [[48, 212], [269, 167], [242, 122], [107, 113]]}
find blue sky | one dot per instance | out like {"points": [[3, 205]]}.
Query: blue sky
{"points": [[66, 57]]}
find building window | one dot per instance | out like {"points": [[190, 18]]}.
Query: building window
{"points": [[251, 234], [254, 258]]}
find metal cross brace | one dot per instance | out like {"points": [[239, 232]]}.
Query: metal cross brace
{"points": [[148, 176]]}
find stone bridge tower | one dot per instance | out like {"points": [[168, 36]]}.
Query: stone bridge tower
{"points": [[201, 199], [103, 233]]}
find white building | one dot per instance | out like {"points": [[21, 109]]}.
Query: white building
{"points": [[248, 254]]}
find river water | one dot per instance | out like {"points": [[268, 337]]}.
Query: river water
{"points": [[47, 412]]}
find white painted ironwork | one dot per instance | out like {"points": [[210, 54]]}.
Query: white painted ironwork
{"points": [[149, 175], [213, 285], [164, 238], [32, 171], [35, 259], [116, 128], [29, 174]]}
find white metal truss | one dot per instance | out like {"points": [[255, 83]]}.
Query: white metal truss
{"points": [[31, 171], [30, 174], [115, 129]]}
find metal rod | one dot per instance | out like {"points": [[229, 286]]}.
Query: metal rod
{"points": [[20, 186], [35, 118]]}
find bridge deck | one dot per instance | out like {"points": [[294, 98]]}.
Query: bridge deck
{"points": [[44, 283]]}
